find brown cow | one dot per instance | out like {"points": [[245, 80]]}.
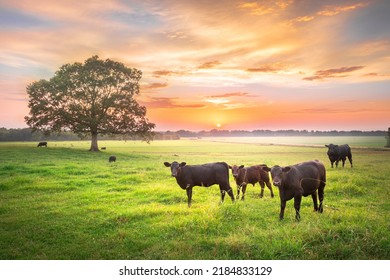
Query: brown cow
{"points": [[250, 175], [204, 175]]}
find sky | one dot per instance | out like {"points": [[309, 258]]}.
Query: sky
{"points": [[232, 64]]}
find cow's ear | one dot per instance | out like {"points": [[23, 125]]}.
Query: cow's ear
{"points": [[241, 166], [265, 168], [182, 164], [286, 169], [230, 167], [167, 164], [327, 146]]}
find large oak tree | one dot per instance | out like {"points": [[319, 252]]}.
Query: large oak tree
{"points": [[94, 98]]}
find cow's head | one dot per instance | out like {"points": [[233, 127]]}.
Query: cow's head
{"points": [[332, 149], [277, 173], [175, 167], [236, 170]]}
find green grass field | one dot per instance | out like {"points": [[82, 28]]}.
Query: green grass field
{"points": [[63, 202]]}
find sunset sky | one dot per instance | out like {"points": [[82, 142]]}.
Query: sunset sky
{"points": [[285, 64]]}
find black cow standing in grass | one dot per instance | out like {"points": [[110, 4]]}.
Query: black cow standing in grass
{"points": [[337, 153], [112, 159], [299, 180], [204, 175], [42, 144], [250, 175]]}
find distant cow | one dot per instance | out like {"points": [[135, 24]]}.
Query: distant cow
{"points": [[42, 144], [204, 175], [112, 159], [337, 153], [250, 175], [299, 180]]}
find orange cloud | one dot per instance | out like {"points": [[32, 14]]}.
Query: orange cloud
{"points": [[375, 74], [154, 86], [267, 7], [333, 73], [233, 94], [162, 73], [209, 64], [167, 102], [335, 10], [266, 68], [327, 11]]}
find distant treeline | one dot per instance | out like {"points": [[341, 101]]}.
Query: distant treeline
{"points": [[259, 133], [26, 134]]}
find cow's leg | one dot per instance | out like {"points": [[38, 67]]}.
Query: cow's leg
{"points": [[269, 186], [262, 185], [315, 202], [243, 191], [332, 163], [226, 189], [321, 196], [189, 194], [297, 206], [337, 163], [238, 191], [343, 160], [350, 159], [282, 207], [223, 192], [230, 193]]}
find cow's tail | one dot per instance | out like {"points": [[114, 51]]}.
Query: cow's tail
{"points": [[230, 189], [227, 171]]}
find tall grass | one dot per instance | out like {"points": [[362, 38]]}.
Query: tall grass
{"points": [[63, 202]]}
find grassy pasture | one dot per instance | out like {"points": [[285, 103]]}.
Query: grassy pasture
{"points": [[63, 202]]}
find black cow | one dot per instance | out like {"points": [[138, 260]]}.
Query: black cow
{"points": [[112, 159], [337, 153], [204, 175], [250, 175], [42, 144], [299, 180]]}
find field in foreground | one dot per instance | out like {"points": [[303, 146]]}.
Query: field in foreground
{"points": [[63, 202]]}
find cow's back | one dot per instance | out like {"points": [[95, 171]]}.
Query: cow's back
{"points": [[207, 174], [311, 169], [344, 150], [250, 174], [310, 175]]}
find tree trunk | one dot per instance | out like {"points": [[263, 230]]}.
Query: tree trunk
{"points": [[94, 142]]}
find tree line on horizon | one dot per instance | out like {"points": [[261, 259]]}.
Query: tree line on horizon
{"points": [[27, 134]]}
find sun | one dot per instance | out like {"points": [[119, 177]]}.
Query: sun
{"points": [[218, 125]]}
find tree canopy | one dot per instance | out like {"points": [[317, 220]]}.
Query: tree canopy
{"points": [[96, 97]]}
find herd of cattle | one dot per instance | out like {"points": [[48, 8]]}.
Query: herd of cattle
{"points": [[294, 181]]}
